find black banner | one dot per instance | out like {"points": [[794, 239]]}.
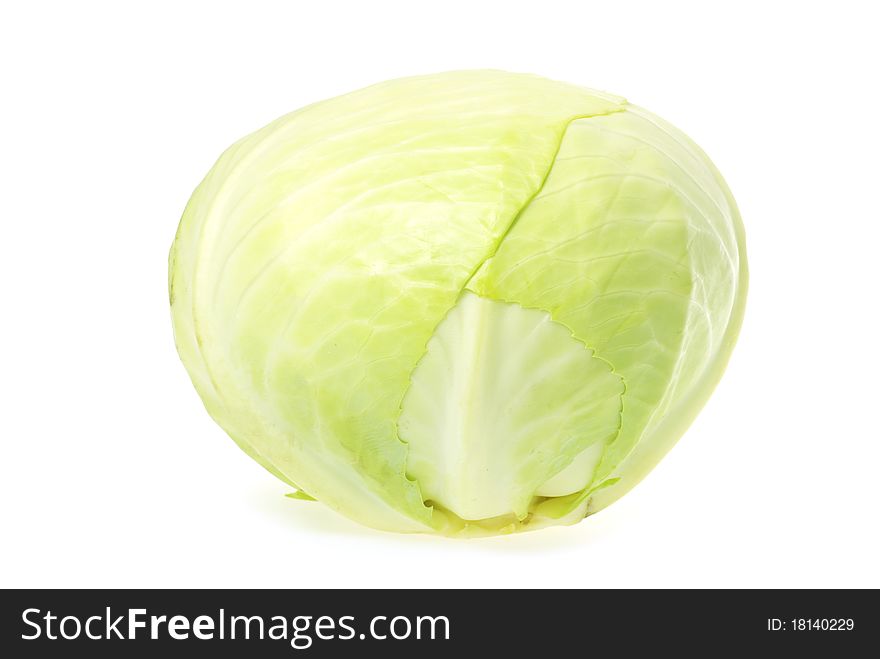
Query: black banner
{"points": [[289, 623]]}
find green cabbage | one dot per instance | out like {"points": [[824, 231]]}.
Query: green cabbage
{"points": [[467, 303]]}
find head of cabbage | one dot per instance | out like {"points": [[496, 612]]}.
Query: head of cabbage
{"points": [[469, 303]]}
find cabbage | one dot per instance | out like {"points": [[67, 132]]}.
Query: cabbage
{"points": [[468, 303]]}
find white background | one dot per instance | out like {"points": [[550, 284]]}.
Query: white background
{"points": [[111, 472]]}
